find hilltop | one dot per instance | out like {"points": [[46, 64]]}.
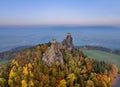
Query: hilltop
{"points": [[56, 64]]}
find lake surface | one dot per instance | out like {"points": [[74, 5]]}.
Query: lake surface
{"points": [[14, 36]]}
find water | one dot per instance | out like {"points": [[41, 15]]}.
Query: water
{"points": [[14, 36]]}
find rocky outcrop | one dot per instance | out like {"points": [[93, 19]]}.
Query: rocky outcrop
{"points": [[67, 43], [53, 54]]}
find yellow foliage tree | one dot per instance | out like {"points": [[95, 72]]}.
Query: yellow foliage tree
{"points": [[12, 75], [30, 84], [62, 83], [70, 79], [25, 70], [2, 82], [15, 62], [90, 83], [24, 83], [30, 65]]}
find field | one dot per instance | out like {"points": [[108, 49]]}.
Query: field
{"points": [[4, 61], [103, 56]]}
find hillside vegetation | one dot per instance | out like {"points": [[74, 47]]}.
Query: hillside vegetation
{"points": [[56, 65]]}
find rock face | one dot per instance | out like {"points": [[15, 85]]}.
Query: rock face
{"points": [[67, 43], [53, 54]]}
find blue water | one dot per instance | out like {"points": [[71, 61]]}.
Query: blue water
{"points": [[15, 36]]}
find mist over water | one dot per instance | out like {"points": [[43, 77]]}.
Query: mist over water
{"points": [[15, 36]]}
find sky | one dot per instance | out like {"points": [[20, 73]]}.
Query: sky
{"points": [[60, 12]]}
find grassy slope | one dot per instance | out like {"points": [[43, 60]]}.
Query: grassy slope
{"points": [[103, 56], [4, 61]]}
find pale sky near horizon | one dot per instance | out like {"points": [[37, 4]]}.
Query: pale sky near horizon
{"points": [[57, 12]]}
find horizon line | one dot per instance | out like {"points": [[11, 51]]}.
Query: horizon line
{"points": [[60, 24]]}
